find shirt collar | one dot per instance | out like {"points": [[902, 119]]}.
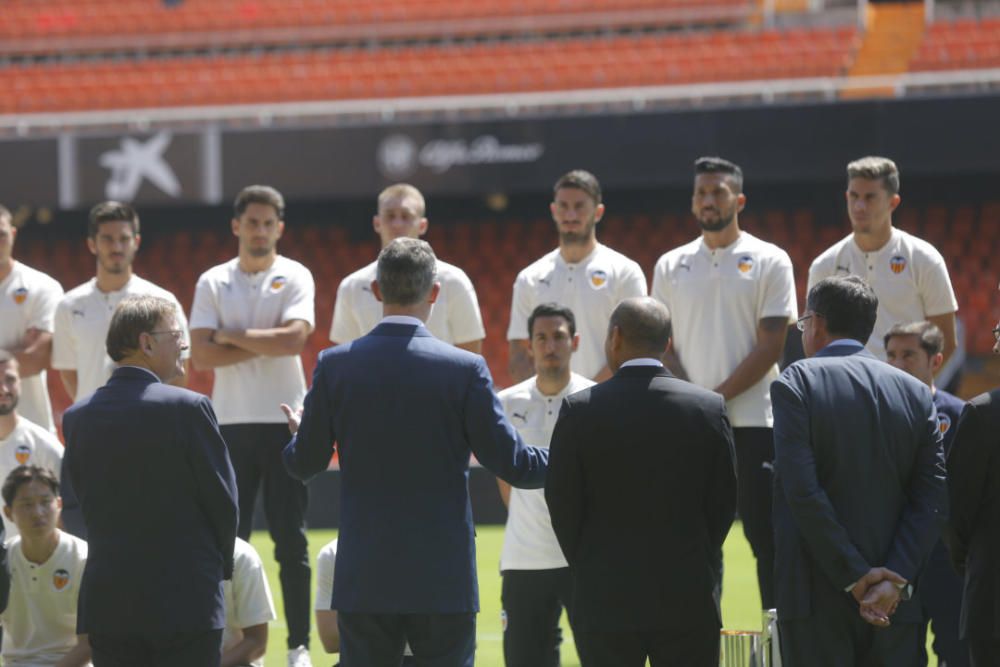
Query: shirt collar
{"points": [[844, 342], [402, 319], [142, 369], [643, 361], [560, 260]]}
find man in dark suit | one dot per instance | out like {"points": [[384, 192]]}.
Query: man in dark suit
{"points": [[642, 492], [859, 490], [158, 496], [974, 522], [406, 410]]}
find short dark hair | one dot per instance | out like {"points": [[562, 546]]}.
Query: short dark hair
{"points": [[580, 180], [718, 165], [22, 475], [134, 316], [405, 271], [928, 334], [873, 168], [259, 194], [644, 323], [551, 309], [847, 303], [111, 211]]}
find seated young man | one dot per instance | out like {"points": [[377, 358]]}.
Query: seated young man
{"points": [[249, 608], [326, 618], [46, 566]]}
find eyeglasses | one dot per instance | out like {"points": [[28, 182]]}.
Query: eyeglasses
{"points": [[800, 323]]}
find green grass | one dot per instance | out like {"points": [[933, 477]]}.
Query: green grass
{"points": [[740, 601]]}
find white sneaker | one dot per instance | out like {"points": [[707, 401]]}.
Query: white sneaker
{"points": [[299, 657]]}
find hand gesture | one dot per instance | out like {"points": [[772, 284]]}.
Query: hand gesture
{"points": [[294, 417]]}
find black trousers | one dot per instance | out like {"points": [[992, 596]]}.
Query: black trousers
{"points": [[755, 472], [533, 601], [183, 649], [255, 450], [835, 635], [377, 640], [941, 598], [984, 649], [664, 648]]}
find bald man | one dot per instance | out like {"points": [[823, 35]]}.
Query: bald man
{"points": [[657, 455]]}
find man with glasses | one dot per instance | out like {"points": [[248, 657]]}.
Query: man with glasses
{"points": [[974, 521], [732, 298], [158, 495], [859, 490]]}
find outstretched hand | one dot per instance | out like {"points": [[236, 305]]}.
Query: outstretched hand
{"points": [[294, 417]]}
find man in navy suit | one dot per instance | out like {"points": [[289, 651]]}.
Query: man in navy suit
{"points": [[406, 410], [859, 490], [158, 495]]}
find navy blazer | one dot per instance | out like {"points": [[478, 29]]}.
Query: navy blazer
{"points": [[859, 475], [406, 410], [158, 495]]}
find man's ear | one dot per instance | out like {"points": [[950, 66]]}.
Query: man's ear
{"points": [[376, 291]]}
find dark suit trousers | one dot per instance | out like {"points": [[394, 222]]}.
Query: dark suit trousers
{"points": [[533, 601], [755, 472], [377, 640], [984, 649], [182, 649], [255, 450], [663, 648], [836, 636], [941, 597]]}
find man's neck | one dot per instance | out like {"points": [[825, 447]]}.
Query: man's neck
{"points": [[550, 385], [6, 268], [576, 252], [40, 551], [7, 424], [874, 241], [113, 282], [421, 311], [139, 361], [250, 264], [722, 238]]}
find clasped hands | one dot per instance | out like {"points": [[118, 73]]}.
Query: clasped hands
{"points": [[878, 594]]}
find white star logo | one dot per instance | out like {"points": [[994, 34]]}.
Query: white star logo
{"points": [[136, 161]]}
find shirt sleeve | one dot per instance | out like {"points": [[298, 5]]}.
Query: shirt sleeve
{"points": [[325, 565], [818, 270], [661, 283], [52, 457], [779, 298], [464, 318], [520, 309], [204, 310], [633, 282], [254, 605], [344, 327], [43, 312], [300, 302], [64, 338], [934, 285]]}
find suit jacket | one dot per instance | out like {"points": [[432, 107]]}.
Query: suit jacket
{"points": [[974, 492], [859, 476], [158, 495], [642, 492], [406, 410]]}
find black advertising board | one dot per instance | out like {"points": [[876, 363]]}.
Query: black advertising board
{"points": [[29, 172]]}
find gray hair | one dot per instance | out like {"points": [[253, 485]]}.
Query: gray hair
{"points": [[644, 323], [134, 316], [406, 271]]}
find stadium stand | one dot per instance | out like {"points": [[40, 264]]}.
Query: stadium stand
{"points": [[962, 44], [556, 64]]}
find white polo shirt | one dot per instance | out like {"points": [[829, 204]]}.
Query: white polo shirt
{"points": [[39, 624], [227, 298], [28, 444], [909, 277], [590, 288], [247, 596], [28, 300], [716, 300], [528, 541], [83, 316], [455, 316]]}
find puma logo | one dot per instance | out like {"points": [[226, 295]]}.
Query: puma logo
{"points": [[522, 417]]}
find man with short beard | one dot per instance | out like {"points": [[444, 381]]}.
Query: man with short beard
{"points": [[22, 442], [83, 315], [732, 298], [587, 277], [249, 322]]}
